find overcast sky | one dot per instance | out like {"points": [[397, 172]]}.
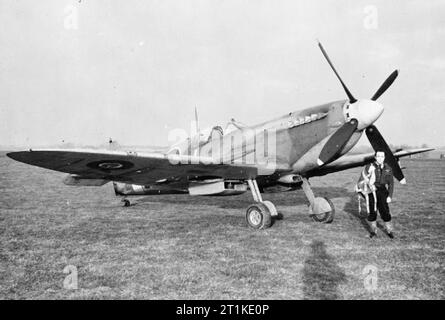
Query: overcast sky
{"points": [[133, 70]]}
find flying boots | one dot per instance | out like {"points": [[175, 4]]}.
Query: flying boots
{"points": [[389, 229], [373, 226]]}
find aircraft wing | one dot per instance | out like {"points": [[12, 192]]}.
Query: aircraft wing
{"points": [[134, 167], [358, 160]]}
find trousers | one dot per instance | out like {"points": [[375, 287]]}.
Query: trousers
{"points": [[382, 206]]}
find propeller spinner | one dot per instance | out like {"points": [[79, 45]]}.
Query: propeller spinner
{"points": [[361, 114]]}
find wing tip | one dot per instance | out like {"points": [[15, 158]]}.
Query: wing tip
{"points": [[403, 181], [319, 162], [15, 155]]}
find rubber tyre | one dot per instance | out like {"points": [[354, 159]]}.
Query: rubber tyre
{"points": [[258, 216], [272, 209], [325, 217]]}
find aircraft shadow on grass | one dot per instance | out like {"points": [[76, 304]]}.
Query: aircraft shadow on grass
{"points": [[321, 274]]}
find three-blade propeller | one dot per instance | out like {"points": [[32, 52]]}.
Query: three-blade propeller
{"points": [[338, 140]]}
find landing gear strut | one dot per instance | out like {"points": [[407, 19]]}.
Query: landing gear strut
{"points": [[320, 209], [259, 215]]}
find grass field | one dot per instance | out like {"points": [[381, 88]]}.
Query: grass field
{"points": [[181, 247]]}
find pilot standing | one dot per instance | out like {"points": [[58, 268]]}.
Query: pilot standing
{"points": [[380, 174]]}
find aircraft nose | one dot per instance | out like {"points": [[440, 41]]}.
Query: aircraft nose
{"points": [[367, 112]]}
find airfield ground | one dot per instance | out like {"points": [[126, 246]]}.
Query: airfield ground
{"points": [[180, 247]]}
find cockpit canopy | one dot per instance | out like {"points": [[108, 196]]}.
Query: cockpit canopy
{"points": [[204, 136]]}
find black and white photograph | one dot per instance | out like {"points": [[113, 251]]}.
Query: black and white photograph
{"points": [[222, 150]]}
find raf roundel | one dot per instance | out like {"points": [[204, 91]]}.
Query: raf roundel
{"points": [[111, 165], [108, 165]]}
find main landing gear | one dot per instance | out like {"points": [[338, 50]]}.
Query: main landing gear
{"points": [[320, 209], [126, 202], [260, 214]]}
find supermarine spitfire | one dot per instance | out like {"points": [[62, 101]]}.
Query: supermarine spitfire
{"points": [[278, 155]]}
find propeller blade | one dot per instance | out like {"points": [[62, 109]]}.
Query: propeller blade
{"points": [[388, 82], [378, 143], [336, 142], [348, 93]]}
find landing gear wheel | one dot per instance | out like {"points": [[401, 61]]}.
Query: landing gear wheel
{"points": [[258, 216], [273, 210], [271, 207], [323, 210], [126, 202]]}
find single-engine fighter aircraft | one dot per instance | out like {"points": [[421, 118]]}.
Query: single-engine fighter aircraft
{"points": [[278, 155]]}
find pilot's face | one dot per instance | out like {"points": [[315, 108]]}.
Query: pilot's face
{"points": [[380, 157]]}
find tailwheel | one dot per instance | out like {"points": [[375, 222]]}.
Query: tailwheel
{"points": [[258, 216], [126, 202], [323, 210]]}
